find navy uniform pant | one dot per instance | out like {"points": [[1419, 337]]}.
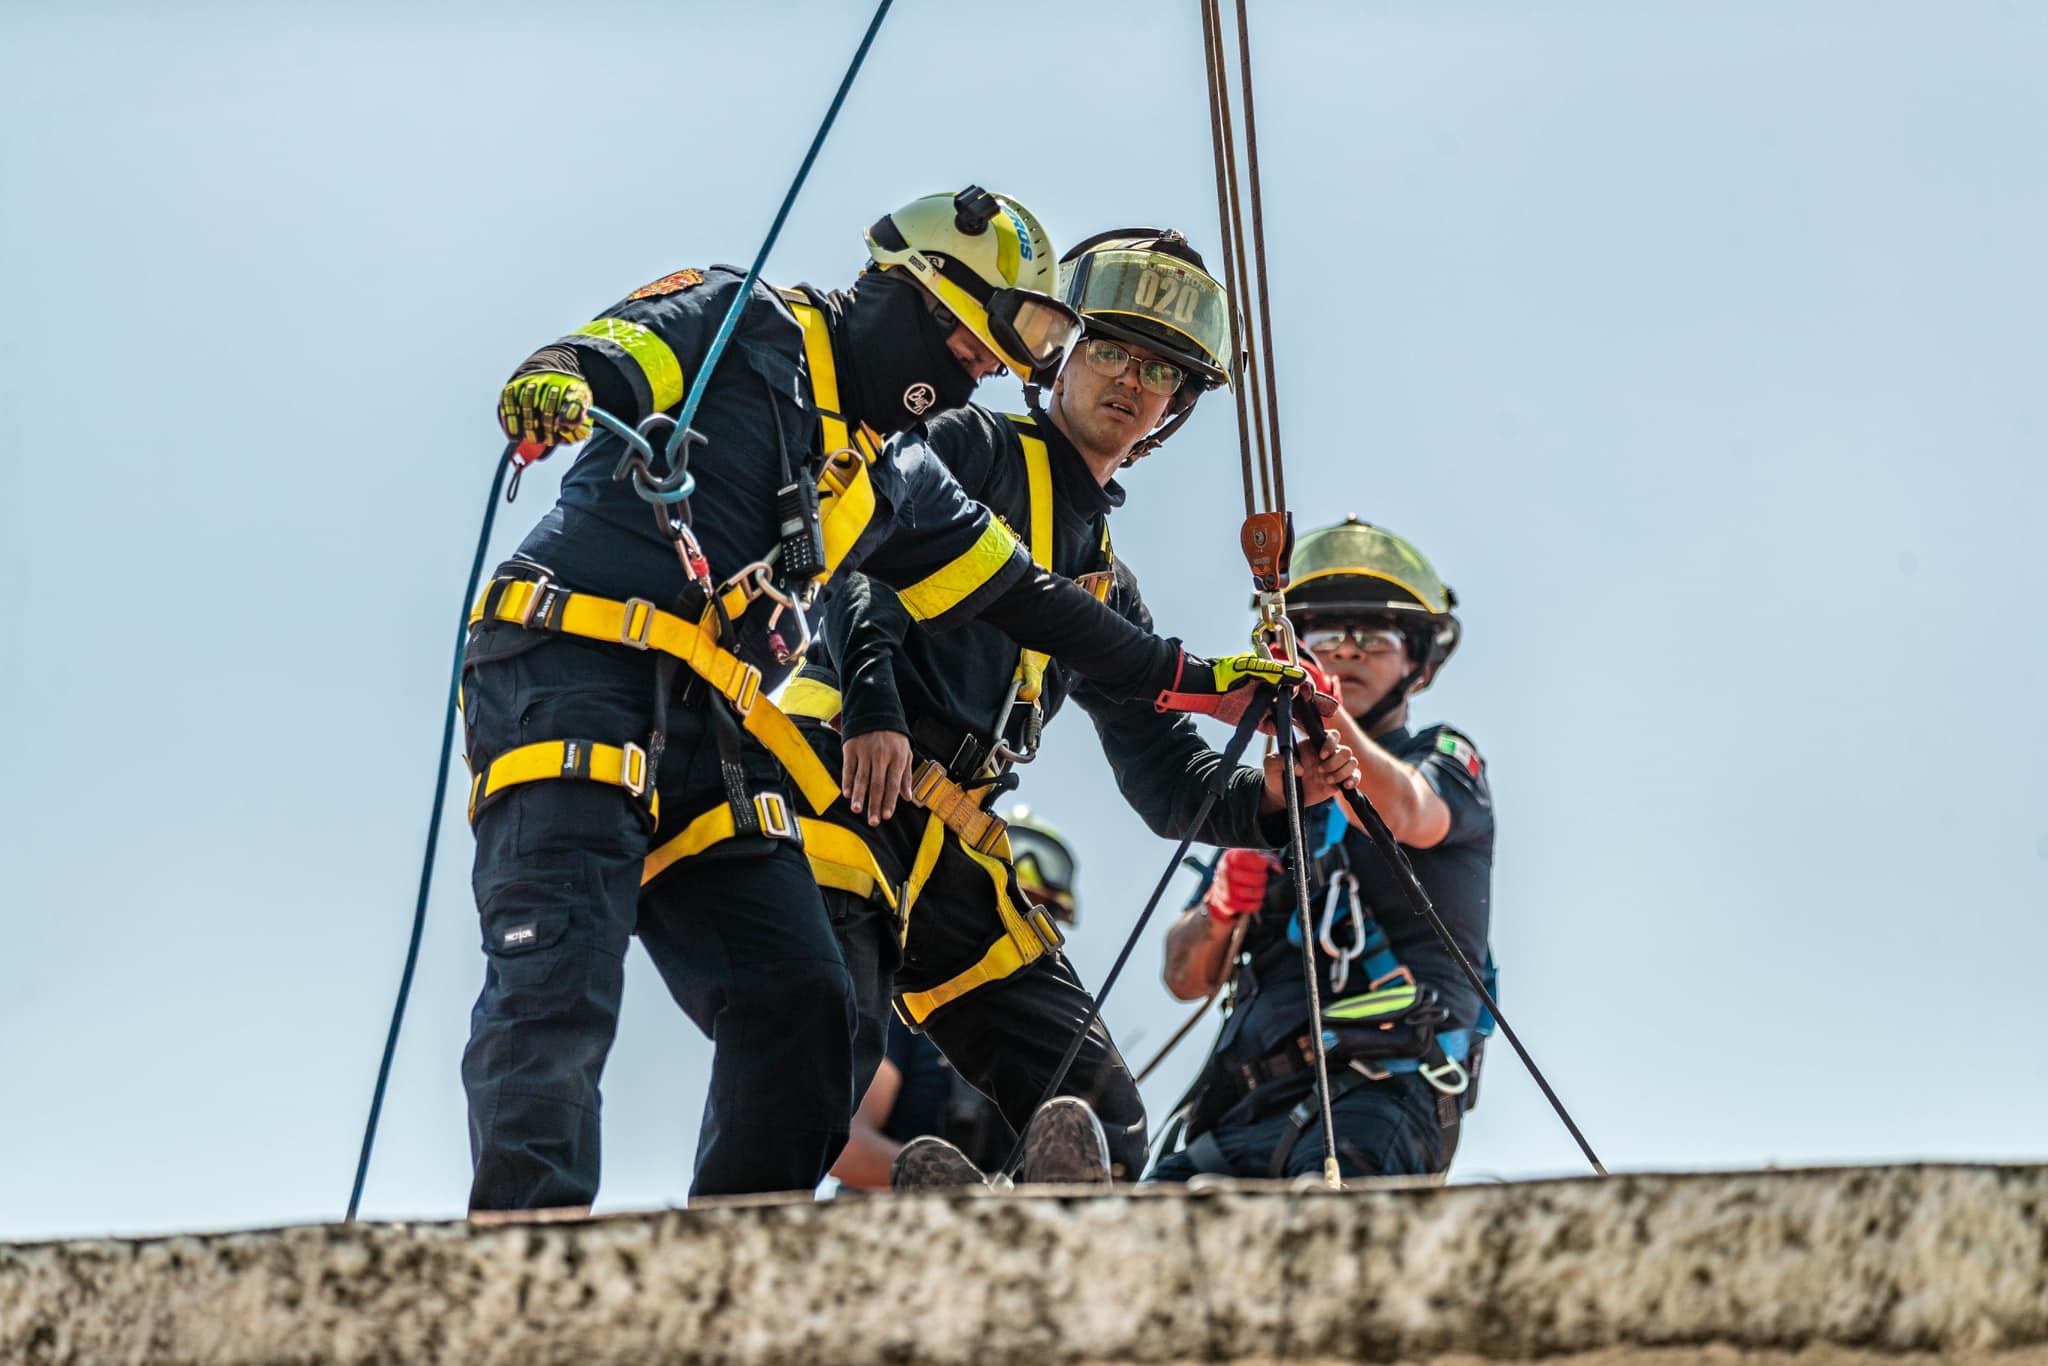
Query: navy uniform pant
{"points": [[1004, 1038], [739, 935], [1386, 1128]]}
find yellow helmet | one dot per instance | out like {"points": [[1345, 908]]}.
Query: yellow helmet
{"points": [[1355, 571], [989, 263], [1045, 865]]}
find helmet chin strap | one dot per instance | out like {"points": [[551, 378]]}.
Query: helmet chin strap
{"points": [[1396, 695]]}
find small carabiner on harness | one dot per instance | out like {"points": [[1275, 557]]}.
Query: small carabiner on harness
{"points": [[1034, 726], [1343, 884], [759, 580]]}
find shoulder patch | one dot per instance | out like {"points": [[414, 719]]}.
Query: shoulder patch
{"points": [[669, 284], [1461, 752]]}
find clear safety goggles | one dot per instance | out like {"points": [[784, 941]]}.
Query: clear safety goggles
{"points": [[1041, 864], [1033, 327], [1367, 640]]}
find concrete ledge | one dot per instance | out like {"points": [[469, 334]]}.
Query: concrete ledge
{"points": [[1839, 1263]]}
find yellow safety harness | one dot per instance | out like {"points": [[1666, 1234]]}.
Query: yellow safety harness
{"points": [[846, 505], [1028, 932]]}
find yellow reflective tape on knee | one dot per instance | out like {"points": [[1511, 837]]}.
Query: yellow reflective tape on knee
{"points": [[656, 361]]}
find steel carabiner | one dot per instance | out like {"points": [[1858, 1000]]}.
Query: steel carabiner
{"points": [[1344, 883]]}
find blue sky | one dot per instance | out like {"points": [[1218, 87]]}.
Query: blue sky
{"points": [[1701, 347]]}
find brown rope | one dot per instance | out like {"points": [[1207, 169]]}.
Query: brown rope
{"points": [[1230, 214], [1251, 147]]}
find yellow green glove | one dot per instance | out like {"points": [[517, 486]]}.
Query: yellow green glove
{"points": [[1225, 687], [543, 409]]}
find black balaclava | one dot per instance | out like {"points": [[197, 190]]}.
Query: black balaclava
{"points": [[899, 370]]}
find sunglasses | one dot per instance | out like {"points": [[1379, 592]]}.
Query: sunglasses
{"points": [[1109, 360]]}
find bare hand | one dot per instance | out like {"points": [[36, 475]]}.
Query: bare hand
{"points": [[877, 772], [1334, 767]]}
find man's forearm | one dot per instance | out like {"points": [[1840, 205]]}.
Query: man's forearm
{"points": [[1197, 953], [1414, 813]]}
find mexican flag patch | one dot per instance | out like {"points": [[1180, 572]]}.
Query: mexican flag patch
{"points": [[1461, 752]]}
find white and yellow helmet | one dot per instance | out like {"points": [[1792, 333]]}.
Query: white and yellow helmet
{"points": [[988, 262]]}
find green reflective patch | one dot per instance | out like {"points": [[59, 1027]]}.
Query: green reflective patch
{"points": [[1373, 1004]]}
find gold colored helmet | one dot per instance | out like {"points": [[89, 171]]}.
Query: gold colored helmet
{"points": [[989, 263], [1355, 572]]}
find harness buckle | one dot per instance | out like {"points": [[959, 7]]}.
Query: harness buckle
{"points": [[1460, 1081], [773, 813], [637, 639], [633, 769], [1368, 1071], [540, 590]]}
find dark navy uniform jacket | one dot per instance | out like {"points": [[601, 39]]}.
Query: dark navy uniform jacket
{"points": [[761, 424], [892, 672], [1457, 873]]}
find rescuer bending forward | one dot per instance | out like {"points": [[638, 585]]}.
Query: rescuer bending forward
{"points": [[615, 685]]}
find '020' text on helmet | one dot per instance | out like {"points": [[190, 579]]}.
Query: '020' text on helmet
{"points": [[1149, 288], [989, 263]]}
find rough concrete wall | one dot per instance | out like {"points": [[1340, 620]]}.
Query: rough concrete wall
{"points": [[1931, 1259]]}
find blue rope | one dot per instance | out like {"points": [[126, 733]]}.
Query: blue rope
{"points": [[419, 910], [725, 330], [739, 303]]}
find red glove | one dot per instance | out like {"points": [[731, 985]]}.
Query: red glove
{"points": [[1326, 684], [1323, 691], [1239, 887]]}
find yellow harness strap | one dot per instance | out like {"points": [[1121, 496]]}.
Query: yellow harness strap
{"points": [[921, 867], [958, 809], [838, 857], [1026, 939], [589, 760], [640, 625], [846, 493], [810, 699], [1038, 482]]}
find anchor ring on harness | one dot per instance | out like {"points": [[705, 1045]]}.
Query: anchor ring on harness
{"points": [[639, 461]]}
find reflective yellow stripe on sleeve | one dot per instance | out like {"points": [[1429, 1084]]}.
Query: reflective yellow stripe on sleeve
{"points": [[656, 361], [941, 592]]}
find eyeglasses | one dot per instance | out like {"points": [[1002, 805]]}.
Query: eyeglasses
{"points": [[1368, 640], [1109, 360]]}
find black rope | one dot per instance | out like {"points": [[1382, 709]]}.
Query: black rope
{"points": [[1255, 713], [419, 910], [1418, 901], [1283, 730]]}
